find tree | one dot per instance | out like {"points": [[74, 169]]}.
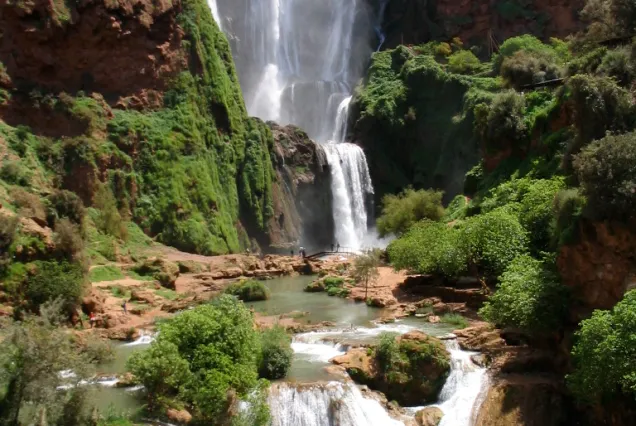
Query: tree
{"points": [[204, 359], [276, 353], [32, 355], [463, 62], [401, 212], [529, 296], [604, 353], [502, 124], [365, 268]]}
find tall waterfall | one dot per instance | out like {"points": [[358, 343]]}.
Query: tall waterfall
{"points": [[298, 61]]}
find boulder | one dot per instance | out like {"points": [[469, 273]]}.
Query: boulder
{"points": [[125, 381], [315, 287], [142, 296], [434, 319], [232, 273], [430, 416], [381, 301], [179, 416], [411, 383], [164, 271], [93, 303], [190, 267]]}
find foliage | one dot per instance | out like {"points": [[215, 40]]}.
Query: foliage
{"points": [[618, 64], [29, 204], [204, 358], [15, 172], [526, 43], [455, 320], [525, 68], [68, 240], [492, 240], [529, 296], [603, 351], [109, 219], [401, 212], [276, 353], [365, 268], [501, 124], [32, 355], [607, 172], [8, 228], [456, 209], [429, 248], [463, 62], [65, 204], [600, 105], [249, 291], [568, 208], [51, 280]]}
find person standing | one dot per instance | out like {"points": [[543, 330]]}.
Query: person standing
{"points": [[332, 246], [337, 247], [125, 307], [92, 319]]}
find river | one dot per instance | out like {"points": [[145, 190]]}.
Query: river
{"points": [[310, 396]]}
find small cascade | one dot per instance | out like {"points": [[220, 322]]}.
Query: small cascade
{"points": [[146, 338], [325, 404], [460, 394]]}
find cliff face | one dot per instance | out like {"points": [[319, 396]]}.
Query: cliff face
{"points": [[140, 96], [418, 21]]}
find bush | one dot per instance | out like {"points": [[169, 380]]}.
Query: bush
{"points": [[15, 172], [529, 296], [502, 124], [66, 204], [618, 65], [108, 220], [568, 208], [525, 43], [29, 204], [276, 354], [455, 320], [524, 68], [536, 212], [429, 248], [333, 281], [492, 240], [204, 360], [51, 280], [401, 212], [68, 240], [249, 291], [604, 351], [463, 62], [608, 176], [8, 229]]}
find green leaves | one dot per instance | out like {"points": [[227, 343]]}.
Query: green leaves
{"points": [[276, 353], [529, 296], [401, 212], [605, 351]]}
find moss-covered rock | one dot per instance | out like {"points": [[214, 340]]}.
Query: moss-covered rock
{"points": [[162, 270], [249, 291], [410, 369]]}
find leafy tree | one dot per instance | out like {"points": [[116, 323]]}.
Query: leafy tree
{"points": [[32, 355], [52, 279], [492, 240], [607, 172], [109, 220], [66, 204], [401, 212], [604, 353], [463, 62], [365, 269], [502, 123], [618, 64], [276, 353], [523, 68], [536, 212], [568, 208], [204, 359], [526, 43], [529, 296]]}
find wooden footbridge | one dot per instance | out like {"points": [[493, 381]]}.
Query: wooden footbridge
{"points": [[342, 251]]}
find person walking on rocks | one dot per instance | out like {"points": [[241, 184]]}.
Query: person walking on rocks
{"points": [[125, 307]]}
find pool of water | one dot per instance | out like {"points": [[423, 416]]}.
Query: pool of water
{"points": [[312, 351]]}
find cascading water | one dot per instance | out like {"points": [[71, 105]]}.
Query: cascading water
{"points": [[325, 404], [298, 61]]}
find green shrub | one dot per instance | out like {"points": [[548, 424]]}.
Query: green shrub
{"points": [[492, 240], [276, 353], [401, 212], [568, 208], [333, 281], [524, 68], [618, 65], [501, 124], [608, 176], [249, 291], [15, 172], [463, 62], [204, 359], [8, 229], [456, 209], [51, 280], [455, 320], [29, 204], [66, 204], [529, 296], [526, 43], [429, 248], [109, 220], [536, 212], [68, 240], [604, 351]]}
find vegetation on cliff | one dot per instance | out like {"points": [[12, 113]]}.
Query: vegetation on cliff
{"points": [[546, 162]]}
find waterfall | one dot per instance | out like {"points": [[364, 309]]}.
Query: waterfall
{"points": [[298, 61], [215, 12], [325, 404]]}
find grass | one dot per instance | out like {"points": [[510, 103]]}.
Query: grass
{"points": [[167, 294], [105, 273], [136, 276], [120, 292], [455, 319]]}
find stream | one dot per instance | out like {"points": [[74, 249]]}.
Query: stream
{"points": [[310, 396]]}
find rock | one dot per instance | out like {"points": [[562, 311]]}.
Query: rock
{"points": [[232, 273], [125, 381], [190, 267], [430, 416], [434, 319], [420, 381], [122, 333], [113, 319], [381, 301], [479, 359], [315, 287], [93, 303], [143, 296], [179, 416]]}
